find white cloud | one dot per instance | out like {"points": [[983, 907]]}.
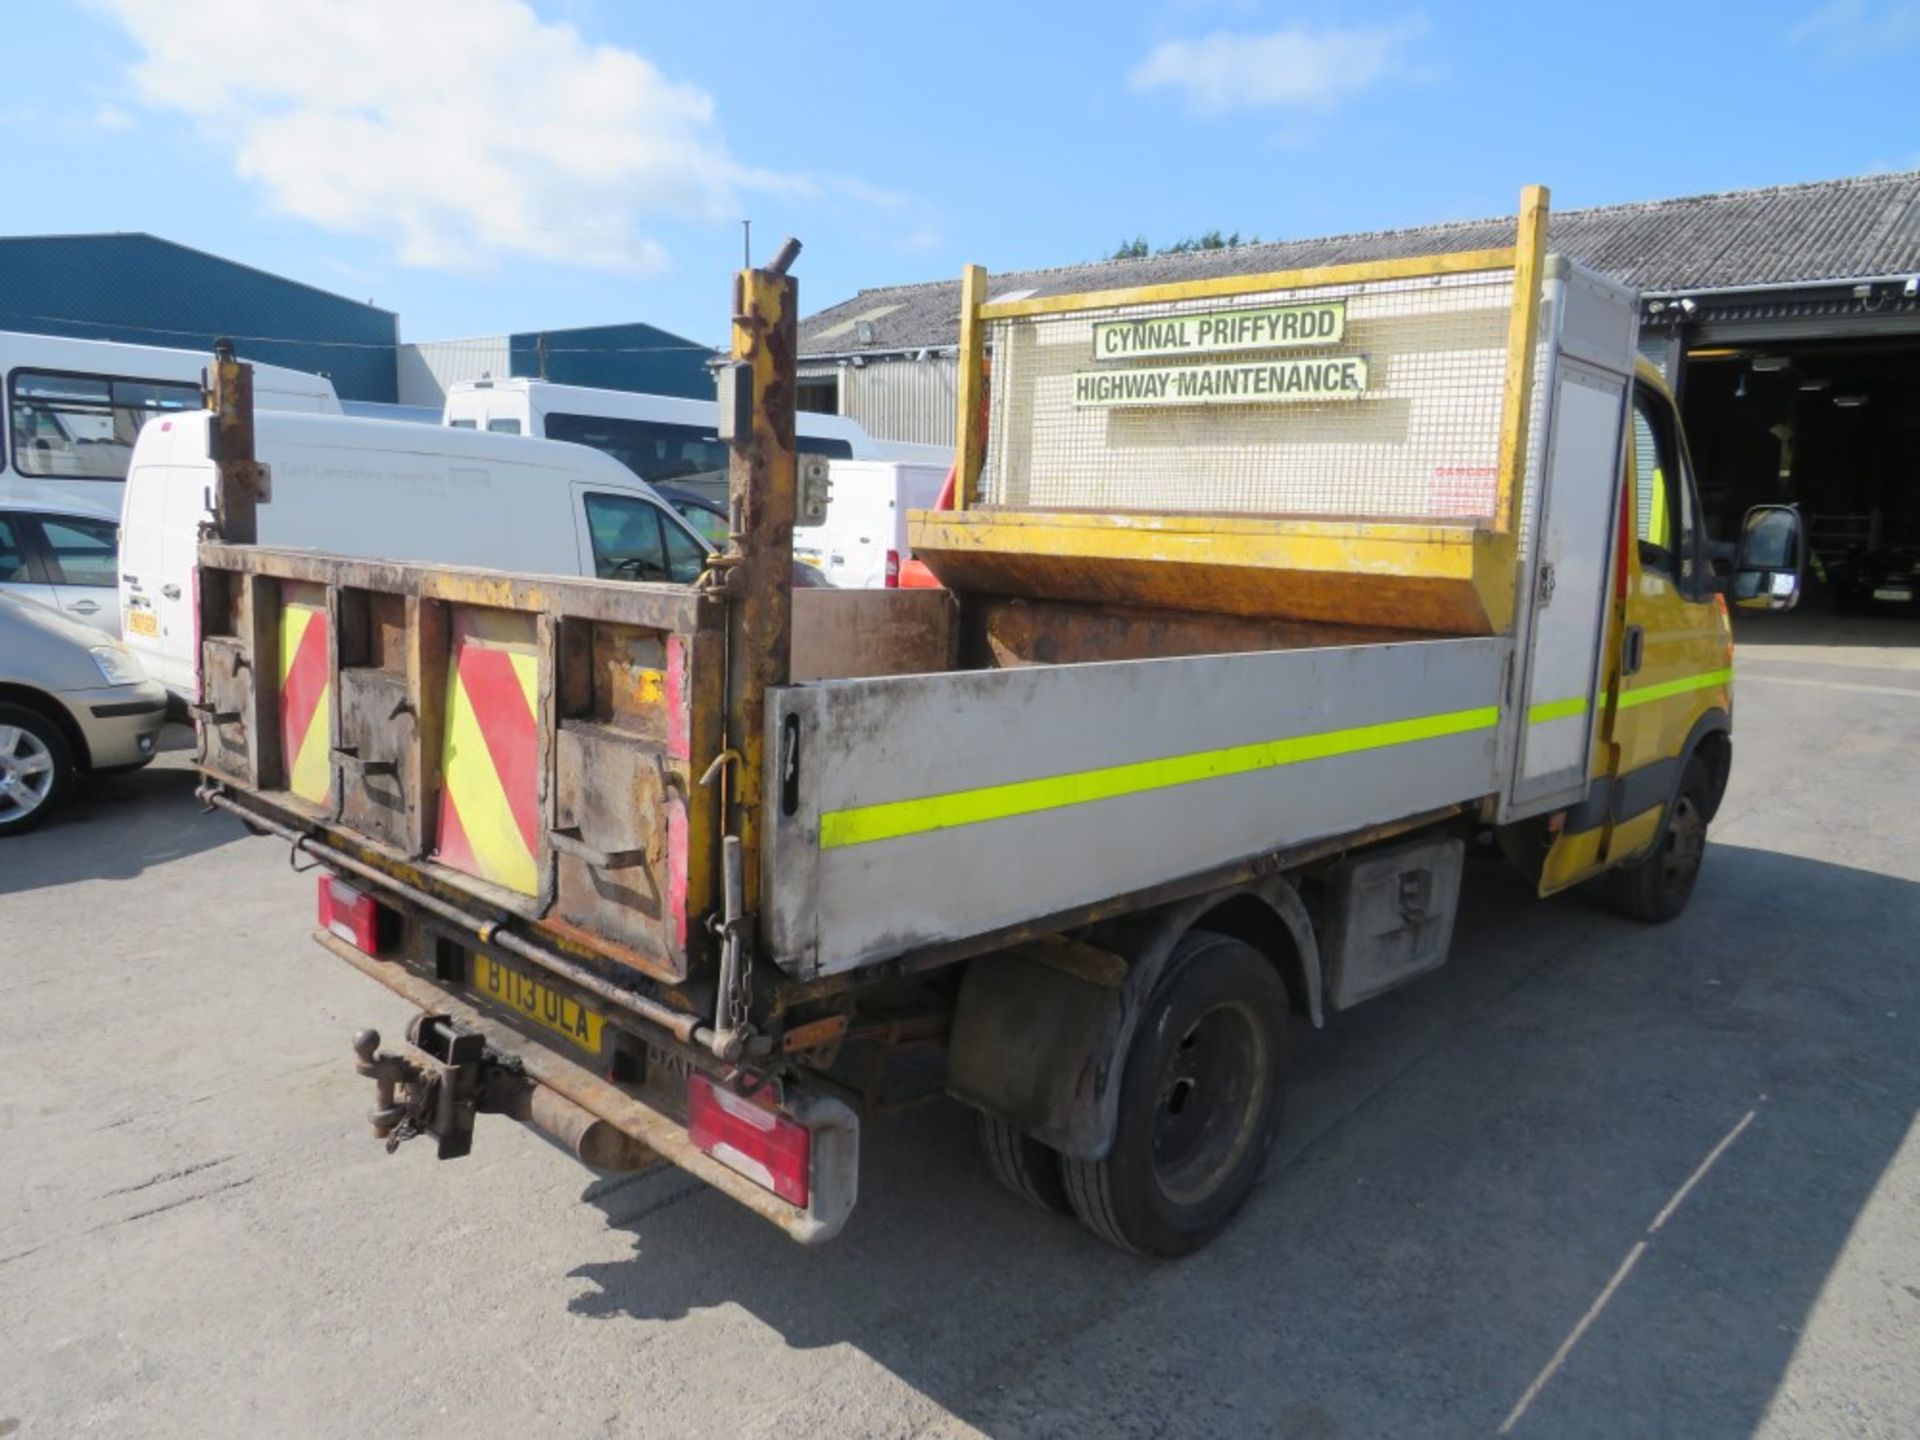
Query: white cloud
{"points": [[462, 130], [1854, 30], [1295, 68], [111, 117]]}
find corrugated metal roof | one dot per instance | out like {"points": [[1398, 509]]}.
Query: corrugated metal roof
{"points": [[1828, 230]]}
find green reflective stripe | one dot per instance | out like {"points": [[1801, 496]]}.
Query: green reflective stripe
{"points": [[1682, 686], [1557, 709], [865, 824]]}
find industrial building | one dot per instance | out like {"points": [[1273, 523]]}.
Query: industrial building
{"points": [[1788, 318], [631, 356], [140, 289]]}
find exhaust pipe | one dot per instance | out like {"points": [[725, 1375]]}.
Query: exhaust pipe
{"points": [[580, 1132]]}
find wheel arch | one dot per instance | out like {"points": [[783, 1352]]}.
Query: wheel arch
{"points": [[1057, 1079]]}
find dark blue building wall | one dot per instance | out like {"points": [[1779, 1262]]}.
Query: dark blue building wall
{"points": [[143, 290], [616, 357]]}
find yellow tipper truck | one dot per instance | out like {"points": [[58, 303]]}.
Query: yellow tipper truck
{"points": [[1265, 598]]}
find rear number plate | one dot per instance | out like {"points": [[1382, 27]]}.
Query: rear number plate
{"points": [[143, 622], [538, 1001], [1892, 593]]}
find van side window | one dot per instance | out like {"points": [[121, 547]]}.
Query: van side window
{"points": [[1663, 502], [627, 544], [82, 551], [83, 426]]}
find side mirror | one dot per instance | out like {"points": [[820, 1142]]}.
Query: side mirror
{"points": [[1772, 557]]}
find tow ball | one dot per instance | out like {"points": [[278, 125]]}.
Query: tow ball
{"points": [[431, 1088]]}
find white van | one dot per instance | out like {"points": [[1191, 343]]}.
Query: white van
{"points": [[74, 407], [864, 539], [661, 438], [390, 490]]}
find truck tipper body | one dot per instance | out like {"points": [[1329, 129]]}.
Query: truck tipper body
{"points": [[1268, 599]]}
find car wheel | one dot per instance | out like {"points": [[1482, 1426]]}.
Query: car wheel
{"points": [[1656, 888], [36, 768], [1200, 1103]]}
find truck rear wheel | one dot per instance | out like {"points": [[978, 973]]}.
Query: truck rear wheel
{"points": [[1656, 888], [1200, 1103], [1025, 1166]]}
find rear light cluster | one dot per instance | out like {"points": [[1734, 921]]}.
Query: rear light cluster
{"points": [[773, 1150], [355, 916], [893, 569]]}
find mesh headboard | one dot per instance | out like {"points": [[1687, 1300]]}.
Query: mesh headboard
{"points": [[1375, 399]]}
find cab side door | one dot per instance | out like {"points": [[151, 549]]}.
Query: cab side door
{"points": [[1676, 655]]}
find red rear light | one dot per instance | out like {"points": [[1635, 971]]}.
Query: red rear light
{"points": [[893, 569], [353, 915], [772, 1150]]}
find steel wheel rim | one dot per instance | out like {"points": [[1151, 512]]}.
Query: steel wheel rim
{"points": [[1207, 1103], [1685, 844], [26, 773]]}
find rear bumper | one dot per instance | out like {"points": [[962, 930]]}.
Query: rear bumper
{"points": [[836, 1130]]}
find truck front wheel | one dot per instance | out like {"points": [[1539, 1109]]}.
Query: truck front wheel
{"points": [[1200, 1103], [1656, 888]]}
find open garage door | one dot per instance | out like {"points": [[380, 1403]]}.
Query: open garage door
{"points": [[1834, 427]]}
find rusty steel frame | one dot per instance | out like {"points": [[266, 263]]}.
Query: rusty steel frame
{"points": [[641, 1122]]}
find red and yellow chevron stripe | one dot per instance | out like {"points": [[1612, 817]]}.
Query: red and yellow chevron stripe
{"points": [[490, 758], [306, 691]]}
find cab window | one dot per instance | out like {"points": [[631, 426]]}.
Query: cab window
{"points": [[1664, 510], [633, 540]]}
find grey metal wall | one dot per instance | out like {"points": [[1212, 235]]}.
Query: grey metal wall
{"points": [[427, 369], [897, 398]]}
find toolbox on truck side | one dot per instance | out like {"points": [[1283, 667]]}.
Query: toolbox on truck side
{"points": [[687, 874]]}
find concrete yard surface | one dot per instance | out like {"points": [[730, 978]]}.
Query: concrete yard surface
{"points": [[1589, 1179]]}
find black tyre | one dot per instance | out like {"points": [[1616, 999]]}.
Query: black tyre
{"points": [[1200, 1103], [1656, 888], [1025, 1166], [36, 768]]}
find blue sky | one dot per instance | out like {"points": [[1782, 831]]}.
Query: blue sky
{"points": [[491, 165]]}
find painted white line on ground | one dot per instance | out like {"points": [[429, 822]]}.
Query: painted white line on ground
{"points": [[1674, 1201], [1744, 677]]}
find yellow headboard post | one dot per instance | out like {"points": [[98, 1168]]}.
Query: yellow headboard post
{"points": [[969, 430], [1529, 252]]}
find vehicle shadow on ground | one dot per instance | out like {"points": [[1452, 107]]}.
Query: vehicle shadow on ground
{"points": [[1666, 1131], [115, 826]]}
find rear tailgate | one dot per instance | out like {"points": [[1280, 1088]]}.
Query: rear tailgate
{"points": [[512, 744]]}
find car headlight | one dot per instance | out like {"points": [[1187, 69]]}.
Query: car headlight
{"points": [[117, 666]]}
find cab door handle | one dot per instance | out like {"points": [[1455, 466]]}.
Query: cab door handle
{"points": [[84, 607], [1633, 647], [172, 592]]}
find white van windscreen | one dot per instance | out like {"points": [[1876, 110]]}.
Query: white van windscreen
{"points": [[83, 426], [657, 451]]}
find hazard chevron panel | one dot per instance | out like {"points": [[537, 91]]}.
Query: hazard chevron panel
{"points": [[490, 794], [306, 691]]}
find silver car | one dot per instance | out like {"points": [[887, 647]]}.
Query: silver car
{"points": [[72, 701]]}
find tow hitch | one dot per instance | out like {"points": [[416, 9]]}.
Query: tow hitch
{"points": [[433, 1088], [448, 1074]]}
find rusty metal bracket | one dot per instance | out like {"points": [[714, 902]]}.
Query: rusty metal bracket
{"points": [[347, 757], [212, 715], [567, 840]]}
